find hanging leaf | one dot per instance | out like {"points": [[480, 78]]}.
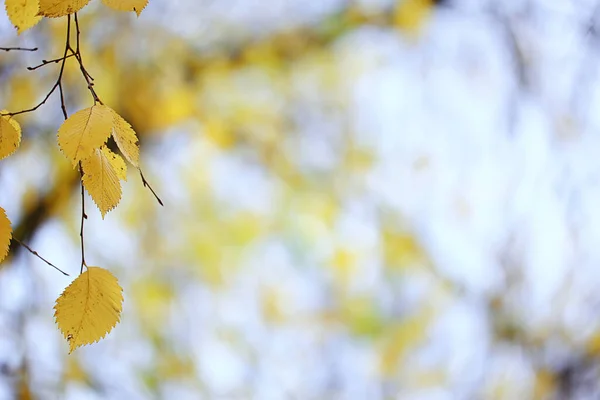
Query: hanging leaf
{"points": [[23, 14], [60, 8], [10, 135], [127, 5], [5, 234], [126, 139], [101, 174], [89, 307], [85, 131]]}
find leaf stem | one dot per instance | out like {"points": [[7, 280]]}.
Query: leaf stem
{"points": [[83, 218]]}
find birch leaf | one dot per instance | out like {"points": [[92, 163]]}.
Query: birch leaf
{"points": [[126, 139], [10, 135], [127, 5], [60, 8], [89, 307], [23, 14], [85, 131], [101, 174], [5, 234]]}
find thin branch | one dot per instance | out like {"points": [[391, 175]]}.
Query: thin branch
{"points": [[35, 253], [88, 78], [146, 184], [18, 49], [78, 47], [46, 62], [63, 107], [83, 218], [58, 83]]}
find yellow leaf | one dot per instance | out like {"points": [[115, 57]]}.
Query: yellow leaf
{"points": [[21, 91], [174, 366], [10, 135], [5, 234], [410, 15], [89, 307], [545, 384], [85, 131], [126, 139], [101, 174], [22, 13], [272, 305], [344, 263], [153, 300], [23, 388], [127, 5], [74, 372], [60, 8], [401, 250], [362, 317]]}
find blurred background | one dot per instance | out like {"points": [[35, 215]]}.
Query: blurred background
{"points": [[364, 199]]}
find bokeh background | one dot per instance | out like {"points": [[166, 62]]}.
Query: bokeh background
{"points": [[364, 199]]}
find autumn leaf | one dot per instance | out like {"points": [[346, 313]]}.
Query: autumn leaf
{"points": [[127, 5], [10, 135], [60, 8], [410, 15], [85, 131], [23, 14], [101, 174], [5, 234], [89, 307], [126, 139]]}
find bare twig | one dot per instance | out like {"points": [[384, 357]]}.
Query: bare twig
{"points": [[18, 49], [35, 253], [58, 83], [83, 218], [46, 62], [79, 48], [146, 184], [88, 78], [69, 52]]}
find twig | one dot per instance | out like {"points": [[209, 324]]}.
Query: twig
{"points": [[146, 184], [18, 48], [58, 83], [35, 253], [79, 48], [46, 62], [83, 218], [63, 107], [88, 78]]}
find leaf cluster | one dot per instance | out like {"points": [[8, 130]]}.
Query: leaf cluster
{"points": [[91, 305], [25, 14]]}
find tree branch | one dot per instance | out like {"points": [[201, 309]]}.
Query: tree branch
{"points": [[35, 253], [18, 49]]}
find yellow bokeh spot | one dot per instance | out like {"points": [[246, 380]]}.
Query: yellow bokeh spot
{"points": [[411, 15]]}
